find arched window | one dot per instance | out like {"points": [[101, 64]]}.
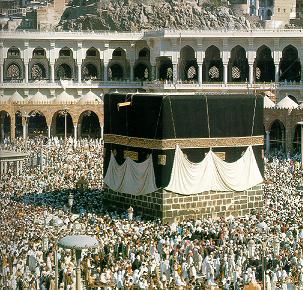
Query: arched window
{"points": [[13, 71], [64, 71], [38, 71]]}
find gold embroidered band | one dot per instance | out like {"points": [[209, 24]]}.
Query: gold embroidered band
{"points": [[183, 142]]}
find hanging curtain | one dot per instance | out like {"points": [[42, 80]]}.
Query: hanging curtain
{"points": [[213, 174], [131, 177]]}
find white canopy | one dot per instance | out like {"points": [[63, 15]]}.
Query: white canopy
{"points": [[64, 98], [131, 177], [16, 97], [268, 103], [90, 97], [38, 98], [213, 174], [287, 103]]}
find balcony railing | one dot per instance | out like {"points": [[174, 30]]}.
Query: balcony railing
{"points": [[156, 84]]}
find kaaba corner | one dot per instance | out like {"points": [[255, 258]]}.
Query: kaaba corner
{"points": [[184, 155]]}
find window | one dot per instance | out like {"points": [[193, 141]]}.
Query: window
{"points": [[91, 52], [13, 71], [64, 52]]}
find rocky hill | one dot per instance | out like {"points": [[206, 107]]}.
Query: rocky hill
{"points": [[137, 15]]}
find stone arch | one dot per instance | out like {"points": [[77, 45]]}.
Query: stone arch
{"points": [[238, 69], [89, 71], [37, 124], [118, 65], [5, 125], [65, 64], [290, 65], [38, 71], [91, 65], [13, 52], [39, 52], [18, 124], [144, 53], [13, 71], [119, 53], [213, 65], [59, 121], [13, 65], [165, 69], [277, 135], [65, 52], [296, 142], [264, 66], [93, 52], [142, 67], [142, 71], [89, 125], [115, 72], [39, 65], [64, 71], [188, 66]]}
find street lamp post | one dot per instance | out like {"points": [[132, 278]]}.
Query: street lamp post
{"points": [[70, 201], [301, 124], [79, 243], [64, 112], [56, 222], [25, 117], [263, 228]]}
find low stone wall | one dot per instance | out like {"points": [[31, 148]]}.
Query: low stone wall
{"points": [[169, 206]]}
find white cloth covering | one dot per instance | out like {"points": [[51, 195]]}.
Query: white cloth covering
{"points": [[213, 174], [131, 177]]}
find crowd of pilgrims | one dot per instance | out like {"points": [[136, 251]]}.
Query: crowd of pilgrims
{"points": [[134, 253]]}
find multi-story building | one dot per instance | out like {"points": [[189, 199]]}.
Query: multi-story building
{"points": [[275, 13], [52, 76]]}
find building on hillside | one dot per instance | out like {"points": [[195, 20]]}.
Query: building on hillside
{"points": [[275, 13], [49, 16]]}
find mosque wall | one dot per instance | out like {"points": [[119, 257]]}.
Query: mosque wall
{"points": [[170, 206]]}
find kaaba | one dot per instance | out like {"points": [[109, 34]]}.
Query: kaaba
{"points": [[143, 126]]}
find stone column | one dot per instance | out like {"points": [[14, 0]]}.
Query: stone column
{"points": [[267, 142], [41, 159], [78, 270], [5, 167], [301, 146], [154, 72], [17, 167], [257, 7], [79, 73], [79, 131], [26, 71], [49, 131], [175, 72], [225, 73], [52, 72], [24, 125], [1, 73], [13, 126], [131, 78], [251, 73], [277, 72], [1, 168], [75, 131], [200, 73], [1, 127], [101, 132], [105, 72]]}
